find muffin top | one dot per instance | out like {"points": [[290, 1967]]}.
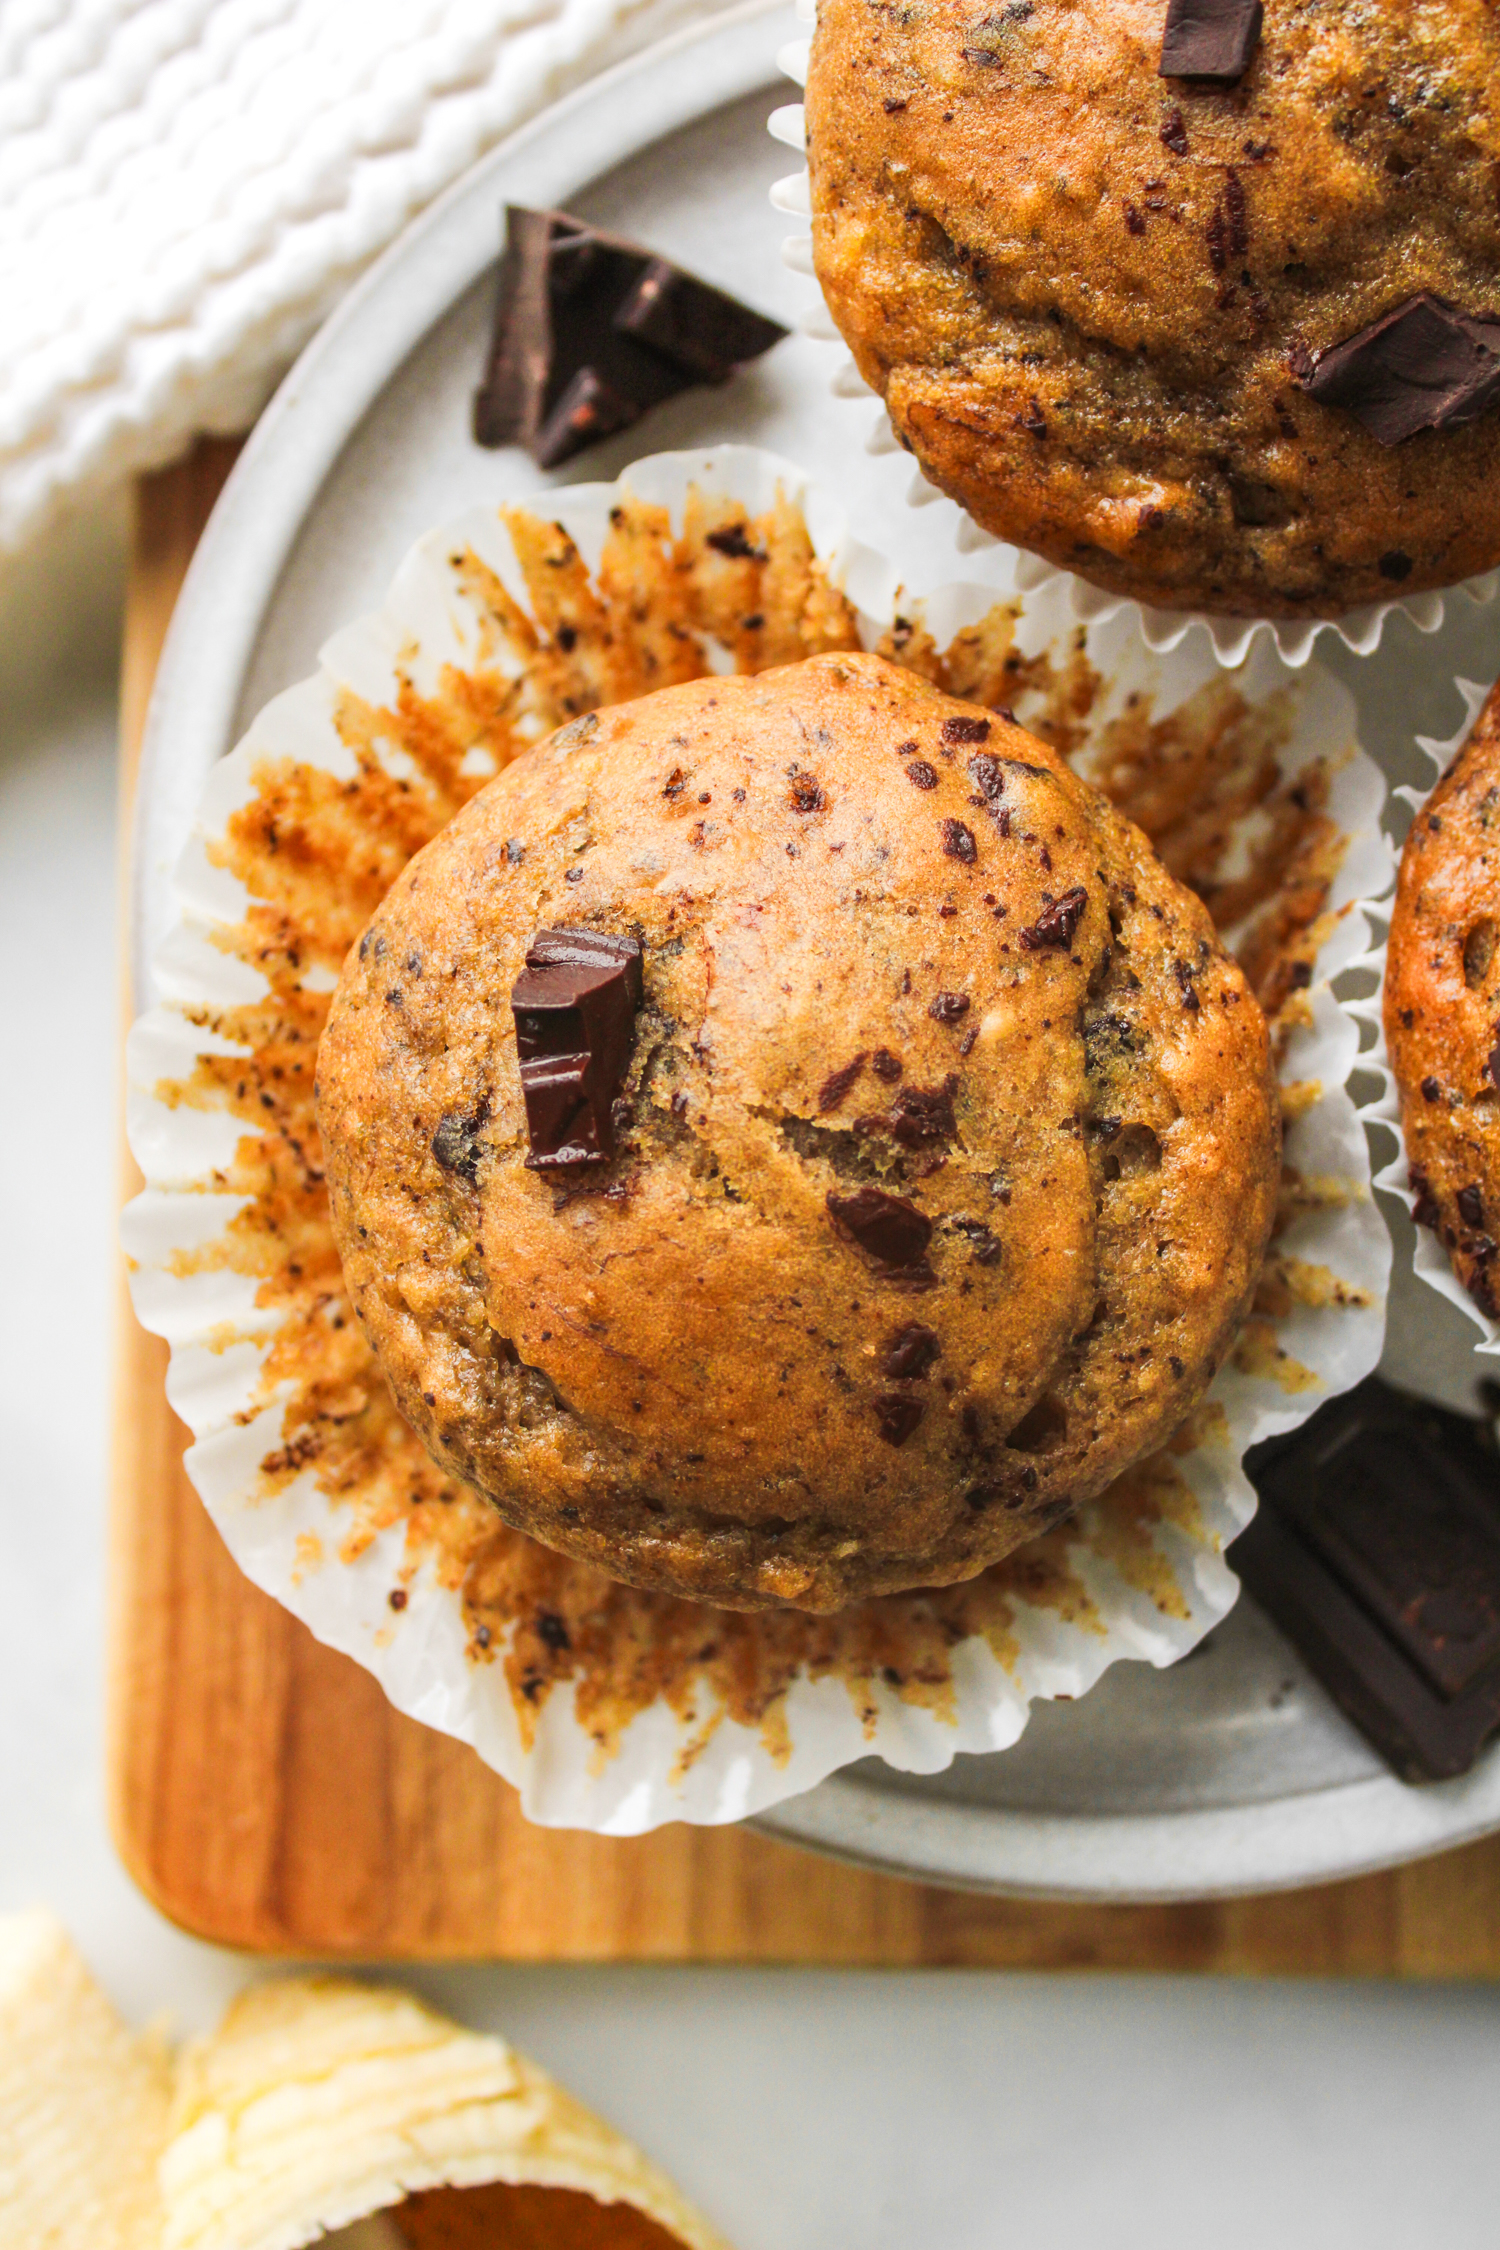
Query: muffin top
{"points": [[1442, 1009], [1092, 296], [939, 1169]]}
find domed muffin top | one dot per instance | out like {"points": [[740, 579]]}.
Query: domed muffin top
{"points": [[934, 1174], [1101, 302]]}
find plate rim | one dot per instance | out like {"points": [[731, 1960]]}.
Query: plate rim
{"points": [[1221, 1852], [1214, 1852]]}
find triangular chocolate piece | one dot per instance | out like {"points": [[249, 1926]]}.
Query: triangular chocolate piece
{"points": [[1425, 366], [592, 331]]}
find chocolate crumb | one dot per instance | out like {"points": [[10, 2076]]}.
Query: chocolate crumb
{"points": [[983, 1247], [456, 1144], [898, 1416], [910, 1353], [959, 728], [889, 1228], [888, 1066], [949, 1007], [1056, 923], [918, 1115], [837, 1085], [805, 795], [730, 539], [1174, 133]]}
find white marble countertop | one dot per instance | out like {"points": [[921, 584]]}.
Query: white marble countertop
{"points": [[804, 2110]]}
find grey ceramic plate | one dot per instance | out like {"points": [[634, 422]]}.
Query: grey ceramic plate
{"points": [[1231, 1772]]}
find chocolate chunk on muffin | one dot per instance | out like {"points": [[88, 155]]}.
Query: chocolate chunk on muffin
{"points": [[921, 1192], [1225, 340], [1442, 1009]]}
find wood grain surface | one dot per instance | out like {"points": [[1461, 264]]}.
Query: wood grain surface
{"points": [[265, 1795]]}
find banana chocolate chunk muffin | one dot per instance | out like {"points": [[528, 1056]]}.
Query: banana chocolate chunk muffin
{"points": [[1200, 301], [790, 1139], [1442, 1009]]}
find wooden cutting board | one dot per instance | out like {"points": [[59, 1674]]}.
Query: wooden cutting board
{"points": [[265, 1795]]}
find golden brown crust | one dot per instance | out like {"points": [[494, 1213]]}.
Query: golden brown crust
{"points": [[1442, 1008], [1083, 290], [678, 1376]]}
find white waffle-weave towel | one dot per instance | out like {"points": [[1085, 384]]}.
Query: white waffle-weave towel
{"points": [[187, 186]]}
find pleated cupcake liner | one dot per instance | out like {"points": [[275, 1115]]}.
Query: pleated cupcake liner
{"points": [[323, 1496], [1429, 1259]]}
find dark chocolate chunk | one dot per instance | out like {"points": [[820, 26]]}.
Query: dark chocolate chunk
{"points": [[592, 331], [898, 1416], [889, 1227], [910, 1352], [1471, 1206], [921, 774], [888, 1066], [1377, 1551], [958, 841], [961, 729], [988, 775], [1424, 366], [574, 1004], [1057, 921], [949, 1007], [1174, 133], [1210, 39], [836, 1085], [805, 795]]}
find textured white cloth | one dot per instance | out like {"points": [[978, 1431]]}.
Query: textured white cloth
{"points": [[187, 186]]}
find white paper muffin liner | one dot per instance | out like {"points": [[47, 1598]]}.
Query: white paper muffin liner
{"points": [[1429, 1259], [1015, 569], [1139, 1573]]}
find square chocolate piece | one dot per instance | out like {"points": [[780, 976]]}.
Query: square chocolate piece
{"points": [[1377, 1551], [1210, 39]]}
